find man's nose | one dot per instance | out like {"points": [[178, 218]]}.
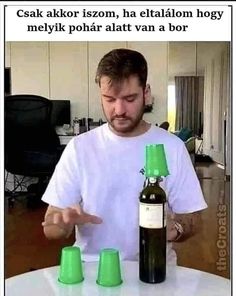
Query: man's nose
{"points": [[120, 108]]}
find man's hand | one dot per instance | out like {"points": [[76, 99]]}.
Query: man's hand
{"points": [[171, 230], [59, 223]]}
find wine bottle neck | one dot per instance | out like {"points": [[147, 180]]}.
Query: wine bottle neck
{"points": [[153, 180]]}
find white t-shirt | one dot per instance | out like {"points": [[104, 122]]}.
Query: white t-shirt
{"points": [[102, 172]]}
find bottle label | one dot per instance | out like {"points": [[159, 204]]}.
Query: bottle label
{"points": [[152, 215]]}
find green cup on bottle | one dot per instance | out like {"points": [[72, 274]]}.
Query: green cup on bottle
{"points": [[109, 271], [71, 271], [156, 163]]}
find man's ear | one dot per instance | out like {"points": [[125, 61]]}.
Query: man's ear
{"points": [[147, 95]]}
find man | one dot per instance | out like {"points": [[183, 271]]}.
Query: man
{"points": [[96, 184]]}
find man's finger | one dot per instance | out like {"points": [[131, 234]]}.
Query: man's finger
{"points": [[77, 208], [54, 218], [69, 216], [87, 218], [57, 218]]}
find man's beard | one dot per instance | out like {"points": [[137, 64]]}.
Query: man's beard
{"points": [[124, 124]]}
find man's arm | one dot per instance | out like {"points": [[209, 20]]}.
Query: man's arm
{"points": [[59, 223], [182, 226]]}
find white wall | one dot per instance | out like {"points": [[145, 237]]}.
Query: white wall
{"points": [[190, 58], [7, 54], [30, 68], [69, 75], [182, 59], [66, 70]]}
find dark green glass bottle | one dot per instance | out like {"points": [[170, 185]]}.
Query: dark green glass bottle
{"points": [[152, 218]]}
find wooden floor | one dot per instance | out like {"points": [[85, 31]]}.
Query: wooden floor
{"points": [[26, 248]]}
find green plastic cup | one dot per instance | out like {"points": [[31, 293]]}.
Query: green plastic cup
{"points": [[156, 164], [71, 271], [109, 272]]}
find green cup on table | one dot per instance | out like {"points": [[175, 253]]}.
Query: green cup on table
{"points": [[71, 271], [109, 271]]}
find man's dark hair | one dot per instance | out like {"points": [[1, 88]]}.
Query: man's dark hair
{"points": [[119, 64]]}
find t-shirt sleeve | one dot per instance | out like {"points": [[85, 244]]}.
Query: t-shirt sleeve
{"points": [[63, 189], [184, 190]]}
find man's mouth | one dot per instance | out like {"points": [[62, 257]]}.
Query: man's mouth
{"points": [[121, 118]]}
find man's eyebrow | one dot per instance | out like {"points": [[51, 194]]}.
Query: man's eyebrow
{"points": [[107, 96], [124, 97], [130, 96]]}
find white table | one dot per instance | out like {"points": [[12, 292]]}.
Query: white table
{"points": [[179, 281]]}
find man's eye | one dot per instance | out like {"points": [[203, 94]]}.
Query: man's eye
{"points": [[130, 99], [110, 100]]}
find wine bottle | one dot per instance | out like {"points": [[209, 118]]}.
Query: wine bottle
{"points": [[152, 218], [76, 126]]}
